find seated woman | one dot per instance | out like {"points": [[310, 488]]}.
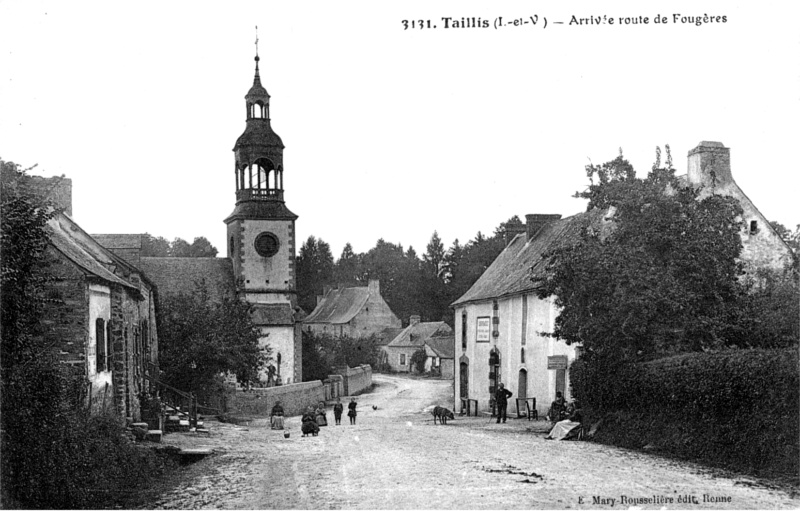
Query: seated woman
{"points": [[569, 427], [322, 420], [558, 409], [309, 422], [276, 416]]}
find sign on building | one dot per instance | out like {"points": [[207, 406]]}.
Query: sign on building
{"points": [[484, 329], [557, 362]]}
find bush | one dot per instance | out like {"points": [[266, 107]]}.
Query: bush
{"points": [[739, 409]]}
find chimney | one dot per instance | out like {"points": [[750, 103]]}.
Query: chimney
{"points": [[374, 286], [535, 223], [58, 190], [413, 320], [709, 165], [512, 231]]}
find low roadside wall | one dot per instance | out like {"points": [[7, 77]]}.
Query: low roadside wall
{"points": [[294, 398], [356, 379]]}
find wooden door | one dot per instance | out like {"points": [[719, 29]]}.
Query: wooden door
{"points": [[522, 389], [464, 380]]}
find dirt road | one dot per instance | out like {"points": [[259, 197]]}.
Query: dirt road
{"points": [[395, 458]]}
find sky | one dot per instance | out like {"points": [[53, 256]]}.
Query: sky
{"points": [[390, 132]]}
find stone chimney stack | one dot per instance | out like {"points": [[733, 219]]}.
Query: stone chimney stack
{"points": [[512, 231], [374, 286], [534, 223], [709, 165], [413, 320]]}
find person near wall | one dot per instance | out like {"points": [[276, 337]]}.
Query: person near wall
{"points": [[309, 422], [276, 416], [558, 408], [338, 408], [322, 419], [501, 400], [569, 427], [351, 410]]}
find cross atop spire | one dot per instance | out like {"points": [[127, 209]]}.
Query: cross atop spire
{"points": [[256, 43]]}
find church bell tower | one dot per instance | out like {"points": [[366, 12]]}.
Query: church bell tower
{"points": [[261, 237]]}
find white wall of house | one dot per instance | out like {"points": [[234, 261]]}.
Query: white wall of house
{"points": [[539, 318], [99, 308], [280, 339]]}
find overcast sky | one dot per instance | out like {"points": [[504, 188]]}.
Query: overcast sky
{"points": [[389, 132]]}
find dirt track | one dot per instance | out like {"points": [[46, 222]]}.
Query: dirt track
{"points": [[395, 458]]}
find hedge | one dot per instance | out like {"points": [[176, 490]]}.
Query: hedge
{"points": [[739, 409]]}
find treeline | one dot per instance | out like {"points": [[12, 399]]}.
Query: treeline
{"points": [[157, 246], [424, 285]]}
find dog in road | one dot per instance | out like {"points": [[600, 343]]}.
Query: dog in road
{"points": [[442, 413]]}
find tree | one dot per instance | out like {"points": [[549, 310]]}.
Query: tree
{"points": [[200, 340], [348, 270], [159, 247], [314, 271], [663, 279], [154, 246], [323, 352], [418, 359]]}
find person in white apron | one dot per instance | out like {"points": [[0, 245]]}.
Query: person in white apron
{"points": [[276, 416]]}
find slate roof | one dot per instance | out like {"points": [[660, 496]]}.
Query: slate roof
{"points": [[510, 274], [77, 246], [339, 306], [173, 275], [443, 346], [386, 335], [112, 241], [272, 314], [418, 334]]}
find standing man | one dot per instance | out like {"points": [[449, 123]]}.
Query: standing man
{"points": [[501, 400]]}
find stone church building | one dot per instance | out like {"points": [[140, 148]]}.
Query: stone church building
{"points": [[499, 321], [259, 266]]}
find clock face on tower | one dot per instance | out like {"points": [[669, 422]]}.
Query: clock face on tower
{"points": [[267, 244]]}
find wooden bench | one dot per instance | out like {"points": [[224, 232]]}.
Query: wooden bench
{"points": [[466, 406]]}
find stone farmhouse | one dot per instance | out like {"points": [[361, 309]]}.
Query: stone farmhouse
{"points": [[100, 315], [499, 321], [351, 311], [411, 339]]}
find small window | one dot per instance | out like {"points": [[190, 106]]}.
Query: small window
{"points": [[100, 339], [464, 330], [402, 359], [753, 227], [522, 355]]}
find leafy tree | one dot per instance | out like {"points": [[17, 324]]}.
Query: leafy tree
{"points": [[316, 365], [159, 247], [663, 279], [418, 359], [200, 340], [154, 246], [321, 353], [314, 270], [792, 238], [348, 270], [433, 288]]}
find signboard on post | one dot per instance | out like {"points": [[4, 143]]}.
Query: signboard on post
{"points": [[483, 330], [557, 362]]}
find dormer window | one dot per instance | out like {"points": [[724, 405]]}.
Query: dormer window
{"points": [[753, 227]]}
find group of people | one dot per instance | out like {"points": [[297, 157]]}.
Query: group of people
{"points": [[566, 416], [314, 418]]}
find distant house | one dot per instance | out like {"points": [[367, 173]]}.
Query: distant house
{"points": [[441, 354], [411, 339], [351, 311], [501, 323], [100, 317], [382, 339]]}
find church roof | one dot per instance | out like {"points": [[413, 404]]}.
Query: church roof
{"points": [[175, 275], [418, 334], [511, 272], [261, 209], [272, 314]]}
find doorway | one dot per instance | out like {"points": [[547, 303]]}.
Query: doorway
{"points": [[464, 381], [522, 389]]}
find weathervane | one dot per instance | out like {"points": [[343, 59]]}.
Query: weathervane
{"points": [[256, 40]]}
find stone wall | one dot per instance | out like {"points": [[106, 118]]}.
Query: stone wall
{"points": [[259, 402], [355, 379]]}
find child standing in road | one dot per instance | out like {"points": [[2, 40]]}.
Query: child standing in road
{"points": [[338, 408], [352, 411]]}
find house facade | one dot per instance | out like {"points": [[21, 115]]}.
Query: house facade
{"points": [[101, 319], [500, 322], [411, 339], [351, 311], [440, 350]]}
